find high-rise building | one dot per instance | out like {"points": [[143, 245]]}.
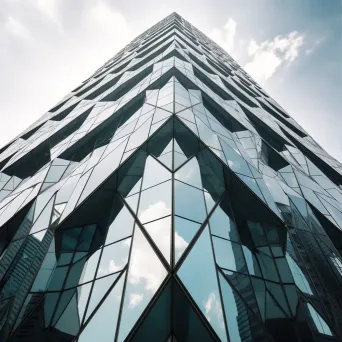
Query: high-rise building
{"points": [[169, 198]]}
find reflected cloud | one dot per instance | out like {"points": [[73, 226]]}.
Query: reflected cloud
{"points": [[135, 299], [213, 310]]}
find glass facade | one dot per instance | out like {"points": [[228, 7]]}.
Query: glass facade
{"points": [[169, 198]]}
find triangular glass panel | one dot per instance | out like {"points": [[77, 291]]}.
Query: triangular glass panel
{"points": [[121, 226], [179, 159], [229, 255], [206, 294], [114, 257], [221, 222], [82, 299], [168, 107], [154, 173], [145, 275], [160, 232], [156, 326], [156, 126], [168, 148], [277, 293], [100, 288], [176, 147], [252, 185], [166, 159], [69, 321], [184, 232], [132, 202], [273, 310], [179, 107], [187, 325], [136, 188], [43, 220], [189, 202], [187, 114], [155, 202], [160, 114], [57, 211], [190, 173], [190, 125], [105, 317]]}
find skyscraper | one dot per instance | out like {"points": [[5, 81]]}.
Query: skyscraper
{"points": [[169, 198]]}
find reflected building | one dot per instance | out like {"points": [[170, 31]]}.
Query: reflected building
{"points": [[169, 198]]}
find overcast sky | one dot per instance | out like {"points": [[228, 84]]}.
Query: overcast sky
{"points": [[293, 48]]}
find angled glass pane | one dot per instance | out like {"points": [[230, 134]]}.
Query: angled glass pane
{"points": [[145, 275], [190, 173], [102, 326], [198, 274], [155, 202], [160, 232], [154, 173], [189, 202]]}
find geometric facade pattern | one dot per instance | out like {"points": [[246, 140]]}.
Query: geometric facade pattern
{"points": [[169, 198]]}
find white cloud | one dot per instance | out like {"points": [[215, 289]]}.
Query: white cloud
{"points": [[15, 28], [49, 47], [149, 214], [268, 56], [135, 299], [213, 309], [225, 37]]}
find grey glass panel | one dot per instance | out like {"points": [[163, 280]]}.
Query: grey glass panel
{"points": [[82, 298]]}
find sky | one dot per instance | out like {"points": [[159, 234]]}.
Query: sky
{"points": [[292, 48]]}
